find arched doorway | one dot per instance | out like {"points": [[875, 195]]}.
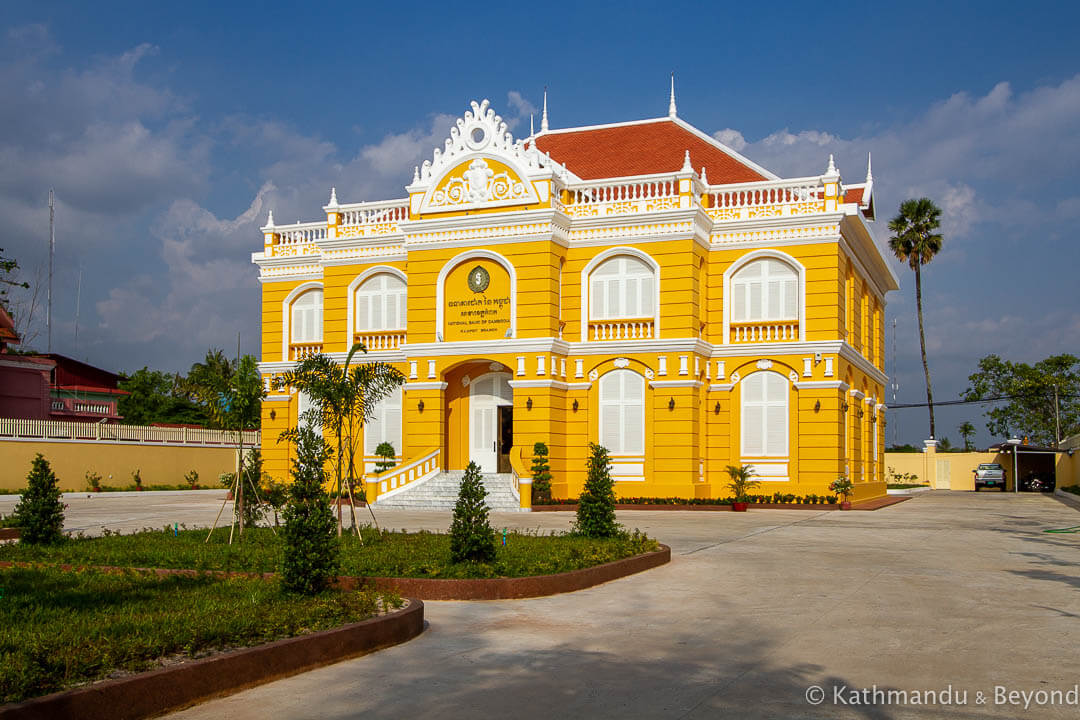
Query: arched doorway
{"points": [[491, 417]]}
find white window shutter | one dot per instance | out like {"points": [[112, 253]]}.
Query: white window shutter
{"points": [[611, 421]]}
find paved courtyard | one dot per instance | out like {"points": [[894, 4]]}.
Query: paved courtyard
{"points": [[948, 590]]}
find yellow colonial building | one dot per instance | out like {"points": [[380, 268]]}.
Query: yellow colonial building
{"points": [[639, 285]]}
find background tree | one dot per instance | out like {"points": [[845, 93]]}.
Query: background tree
{"points": [[40, 514], [916, 241], [8, 268], [311, 555], [967, 431], [596, 504], [471, 536], [154, 398], [1044, 398], [541, 474]]}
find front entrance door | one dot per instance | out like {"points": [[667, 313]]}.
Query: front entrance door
{"points": [[487, 395], [506, 436]]}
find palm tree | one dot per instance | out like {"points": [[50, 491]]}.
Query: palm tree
{"points": [[916, 241], [342, 399], [967, 431]]}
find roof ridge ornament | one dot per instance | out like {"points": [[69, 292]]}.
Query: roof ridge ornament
{"points": [[869, 170], [270, 219], [543, 117], [333, 198], [671, 102], [686, 166], [704, 180], [831, 169]]}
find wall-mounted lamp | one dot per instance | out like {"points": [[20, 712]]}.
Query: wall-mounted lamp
{"points": [[671, 404], [844, 406], [575, 406], [817, 406], [528, 404], [716, 408], [420, 406], [873, 418], [273, 414], [860, 413]]}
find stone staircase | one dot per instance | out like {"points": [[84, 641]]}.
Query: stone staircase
{"points": [[441, 493]]}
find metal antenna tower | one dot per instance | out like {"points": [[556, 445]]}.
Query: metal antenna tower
{"points": [[895, 384], [52, 248], [78, 299]]}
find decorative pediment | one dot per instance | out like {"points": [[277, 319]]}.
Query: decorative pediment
{"points": [[481, 165]]}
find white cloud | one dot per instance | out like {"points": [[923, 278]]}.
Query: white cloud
{"points": [[732, 138]]}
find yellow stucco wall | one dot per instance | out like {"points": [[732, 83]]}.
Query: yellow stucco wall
{"points": [[157, 464]]}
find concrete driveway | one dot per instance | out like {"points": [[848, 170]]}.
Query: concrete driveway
{"points": [[952, 593]]}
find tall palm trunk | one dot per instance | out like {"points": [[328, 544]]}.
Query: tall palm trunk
{"points": [[922, 346]]}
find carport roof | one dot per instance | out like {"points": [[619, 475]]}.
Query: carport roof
{"points": [[1007, 447]]}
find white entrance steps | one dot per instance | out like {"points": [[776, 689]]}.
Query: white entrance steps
{"points": [[441, 493]]}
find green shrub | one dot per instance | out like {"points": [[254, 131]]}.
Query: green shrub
{"points": [[40, 514], [471, 536], [385, 451], [596, 506], [312, 554], [541, 474], [136, 477], [741, 481], [93, 480], [192, 479]]}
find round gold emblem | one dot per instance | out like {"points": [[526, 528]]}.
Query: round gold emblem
{"points": [[478, 279]]}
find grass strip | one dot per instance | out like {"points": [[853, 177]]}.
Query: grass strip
{"points": [[381, 554], [62, 629]]}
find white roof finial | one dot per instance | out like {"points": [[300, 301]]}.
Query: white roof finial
{"points": [[869, 171], [532, 128], [270, 219], [686, 166], [543, 116], [704, 180], [416, 174], [671, 103], [831, 170], [333, 198]]}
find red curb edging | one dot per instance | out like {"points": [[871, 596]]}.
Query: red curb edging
{"points": [[520, 587], [9, 533], [167, 689], [874, 504]]}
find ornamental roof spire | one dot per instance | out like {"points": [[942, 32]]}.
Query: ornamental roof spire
{"points": [[270, 219], [686, 166], [704, 179], [543, 117], [532, 128], [831, 170], [333, 197], [671, 102], [869, 171]]}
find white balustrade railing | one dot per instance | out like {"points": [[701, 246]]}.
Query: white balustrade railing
{"points": [[782, 198], [621, 329], [426, 465], [647, 193], [374, 214], [15, 428], [302, 351], [376, 341], [765, 332], [301, 233]]}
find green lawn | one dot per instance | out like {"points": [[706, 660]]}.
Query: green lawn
{"points": [[390, 554], [59, 629]]}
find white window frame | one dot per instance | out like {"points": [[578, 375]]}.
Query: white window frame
{"points": [[356, 284], [394, 295], [622, 403], [800, 289], [745, 400], [764, 281], [286, 313], [304, 303], [586, 286]]}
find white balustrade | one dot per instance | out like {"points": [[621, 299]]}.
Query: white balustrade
{"points": [[621, 330], [615, 197], [782, 198], [408, 471], [376, 341], [374, 214], [302, 351], [301, 233], [11, 428], [765, 332]]}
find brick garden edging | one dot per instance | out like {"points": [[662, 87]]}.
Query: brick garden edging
{"points": [[874, 504], [171, 688], [519, 587], [9, 533]]}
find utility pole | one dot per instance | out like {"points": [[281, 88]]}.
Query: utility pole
{"points": [[1057, 420], [52, 248], [78, 301]]}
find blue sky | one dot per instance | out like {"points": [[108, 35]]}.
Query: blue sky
{"points": [[169, 129]]}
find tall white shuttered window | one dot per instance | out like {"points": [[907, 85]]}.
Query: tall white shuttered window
{"points": [[307, 317], [379, 304], [622, 287], [765, 290], [386, 425], [764, 415], [622, 412]]}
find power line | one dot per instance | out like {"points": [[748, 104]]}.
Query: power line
{"points": [[1002, 398]]}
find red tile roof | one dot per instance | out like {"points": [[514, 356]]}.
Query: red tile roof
{"points": [[853, 195], [642, 149]]}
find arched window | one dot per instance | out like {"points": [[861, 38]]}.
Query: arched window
{"points": [[622, 412], [385, 426], [622, 287], [304, 406], [765, 289], [764, 415], [379, 304], [307, 320]]}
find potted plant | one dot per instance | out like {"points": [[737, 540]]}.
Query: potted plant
{"points": [[137, 477], [741, 483], [93, 481], [385, 452], [192, 479], [842, 487]]}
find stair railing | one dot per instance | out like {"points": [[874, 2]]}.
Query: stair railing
{"points": [[418, 468], [522, 486]]}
